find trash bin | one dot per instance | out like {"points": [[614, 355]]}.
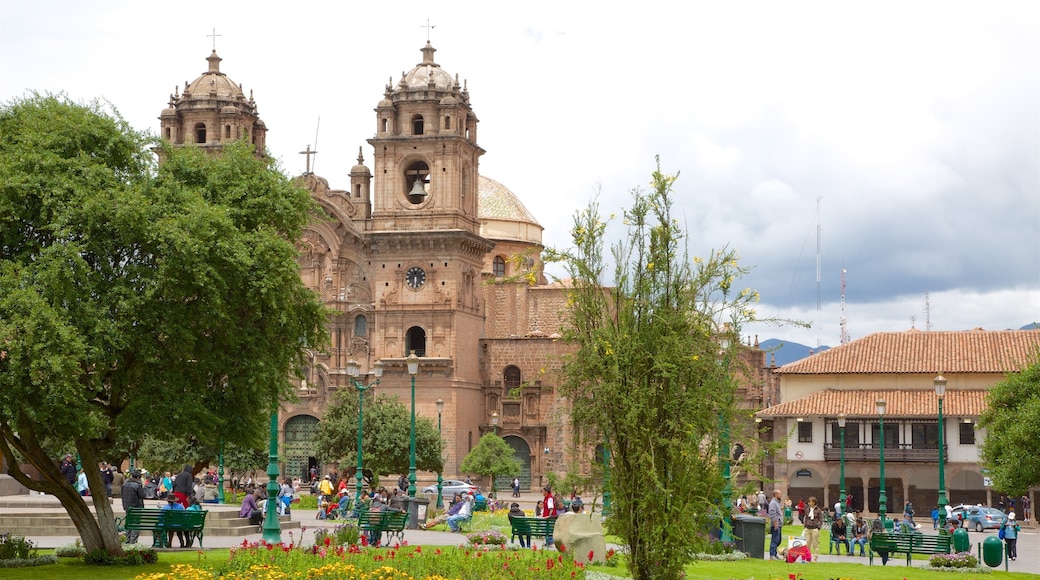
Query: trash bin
{"points": [[417, 507], [749, 535]]}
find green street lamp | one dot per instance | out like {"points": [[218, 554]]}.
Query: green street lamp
{"points": [[940, 391], [272, 528], [413, 368], [220, 473], [724, 450], [841, 427], [882, 496], [494, 427], [440, 482], [354, 371]]}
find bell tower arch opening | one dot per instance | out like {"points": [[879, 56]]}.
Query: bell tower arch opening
{"points": [[417, 179], [415, 341]]}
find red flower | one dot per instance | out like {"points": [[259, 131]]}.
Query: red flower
{"points": [[269, 547], [364, 540], [328, 541], [591, 553], [549, 564], [418, 550]]}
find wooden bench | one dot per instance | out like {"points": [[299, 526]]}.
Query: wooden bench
{"points": [[909, 544], [161, 522], [388, 522], [532, 527]]}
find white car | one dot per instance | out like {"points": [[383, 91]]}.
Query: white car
{"points": [[450, 487]]}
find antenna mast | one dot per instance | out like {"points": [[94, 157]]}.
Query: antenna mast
{"points": [[927, 312], [819, 243], [844, 325]]}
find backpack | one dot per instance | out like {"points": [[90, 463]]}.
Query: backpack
{"points": [[1000, 534]]}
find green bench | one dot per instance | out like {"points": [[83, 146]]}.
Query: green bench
{"points": [[385, 522], [161, 522], [532, 527], [909, 544]]}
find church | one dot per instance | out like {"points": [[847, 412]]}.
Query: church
{"points": [[420, 254]]}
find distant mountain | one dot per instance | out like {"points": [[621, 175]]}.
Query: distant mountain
{"points": [[1031, 326], [786, 351]]}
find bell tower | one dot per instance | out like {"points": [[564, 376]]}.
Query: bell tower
{"points": [[426, 152]]}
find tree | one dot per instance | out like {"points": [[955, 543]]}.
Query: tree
{"points": [[491, 455], [384, 437], [136, 300], [163, 454], [649, 378], [1012, 423]]}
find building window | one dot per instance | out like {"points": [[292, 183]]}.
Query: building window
{"points": [[511, 378], [447, 121], [417, 125], [924, 435], [967, 432], [804, 432], [227, 131], [415, 341], [200, 133], [360, 326], [851, 435], [168, 134], [499, 267], [891, 436]]}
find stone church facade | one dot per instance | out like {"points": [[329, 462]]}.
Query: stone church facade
{"points": [[420, 253]]}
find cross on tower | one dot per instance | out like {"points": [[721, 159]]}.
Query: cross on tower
{"points": [[308, 153], [428, 28], [214, 37]]}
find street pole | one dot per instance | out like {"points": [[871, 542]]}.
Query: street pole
{"points": [[494, 426], [413, 368], [354, 371], [940, 391], [272, 528], [220, 473], [841, 427], [882, 496], [440, 481], [724, 450]]}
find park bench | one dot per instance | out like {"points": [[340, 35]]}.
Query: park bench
{"points": [[160, 522], [388, 522], [532, 527], [909, 544]]}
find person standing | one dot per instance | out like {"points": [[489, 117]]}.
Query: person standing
{"points": [[182, 486], [117, 482], [132, 496], [516, 487], [1026, 507], [813, 521], [1011, 529], [68, 469], [776, 522], [81, 483], [106, 478], [761, 501]]}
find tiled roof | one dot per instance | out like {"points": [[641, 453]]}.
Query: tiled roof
{"points": [[862, 404], [498, 203], [916, 351]]}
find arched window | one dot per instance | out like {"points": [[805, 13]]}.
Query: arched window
{"points": [[415, 341], [511, 377], [360, 326], [385, 125], [200, 133], [417, 125], [417, 179], [499, 267], [447, 121]]}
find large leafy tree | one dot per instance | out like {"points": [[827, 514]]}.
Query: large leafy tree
{"points": [[1012, 423], [649, 377], [491, 456], [384, 439], [136, 300]]}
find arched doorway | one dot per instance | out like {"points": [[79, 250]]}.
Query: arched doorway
{"points": [[299, 445], [522, 453]]}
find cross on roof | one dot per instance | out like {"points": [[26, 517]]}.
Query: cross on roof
{"points": [[428, 28], [214, 37], [308, 153]]}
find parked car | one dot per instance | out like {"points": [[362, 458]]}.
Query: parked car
{"points": [[450, 487], [978, 517]]}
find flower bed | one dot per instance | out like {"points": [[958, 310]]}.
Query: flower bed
{"points": [[487, 538]]}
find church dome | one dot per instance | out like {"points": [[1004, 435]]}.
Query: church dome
{"points": [[503, 216], [214, 82], [427, 74]]}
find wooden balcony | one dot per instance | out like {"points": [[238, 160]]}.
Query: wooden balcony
{"points": [[900, 454]]}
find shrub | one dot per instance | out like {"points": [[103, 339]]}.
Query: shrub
{"points": [[12, 547], [74, 550], [135, 556], [345, 534], [958, 560], [487, 538]]}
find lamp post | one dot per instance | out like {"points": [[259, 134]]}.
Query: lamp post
{"points": [[354, 371], [940, 391], [724, 452], [494, 427], [440, 482], [413, 368], [882, 496], [272, 527], [220, 473], [841, 489]]}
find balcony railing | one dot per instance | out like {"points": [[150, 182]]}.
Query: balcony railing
{"points": [[900, 454]]}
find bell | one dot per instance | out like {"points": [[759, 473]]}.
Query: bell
{"points": [[417, 188]]}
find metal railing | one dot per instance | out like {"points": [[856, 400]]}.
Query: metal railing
{"points": [[893, 454]]}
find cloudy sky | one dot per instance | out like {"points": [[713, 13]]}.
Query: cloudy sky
{"points": [[906, 133]]}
